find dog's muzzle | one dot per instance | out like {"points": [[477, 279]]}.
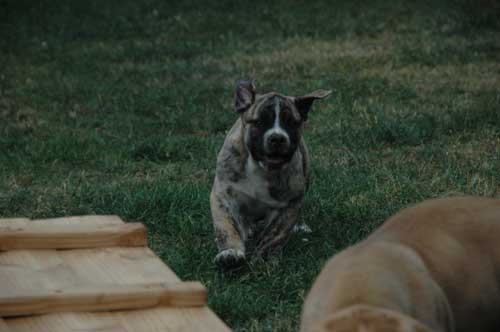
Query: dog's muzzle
{"points": [[277, 141], [276, 151]]}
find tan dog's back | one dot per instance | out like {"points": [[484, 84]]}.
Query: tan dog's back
{"points": [[437, 255], [459, 240]]}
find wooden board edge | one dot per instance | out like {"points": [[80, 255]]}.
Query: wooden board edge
{"points": [[103, 298], [72, 236], [107, 219]]}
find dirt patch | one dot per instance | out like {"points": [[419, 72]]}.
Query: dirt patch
{"points": [[306, 50]]}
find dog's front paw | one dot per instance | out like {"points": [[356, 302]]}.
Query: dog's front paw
{"points": [[230, 258], [302, 228]]}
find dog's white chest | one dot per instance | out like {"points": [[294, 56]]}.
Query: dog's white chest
{"points": [[255, 187]]}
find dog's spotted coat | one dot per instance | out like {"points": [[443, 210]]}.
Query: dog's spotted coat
{"points": [[262, 173]]}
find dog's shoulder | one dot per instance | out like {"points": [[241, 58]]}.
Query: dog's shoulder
{"points": [[232, 156], [304, 151]]}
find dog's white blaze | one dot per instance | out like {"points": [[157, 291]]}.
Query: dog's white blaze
{"points": [[276, 129]]}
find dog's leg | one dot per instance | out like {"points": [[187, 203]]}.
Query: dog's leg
{"points": [[279, 230], [228, 237]]}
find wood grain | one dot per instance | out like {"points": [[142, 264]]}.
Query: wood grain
{"points": [[3, 326], [81, 235], [73, 220], [104, 272], [103, 298], [87, 220], [159, 319], [22, 270]]}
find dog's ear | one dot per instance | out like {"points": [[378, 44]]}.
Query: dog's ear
{"points": [[304, 103], [245, 95]]}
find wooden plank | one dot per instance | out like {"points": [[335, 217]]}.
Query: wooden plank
{"points": [[172, 319], [118, 265], [22, 270], [33, 269], [159, 319], [69, 236], [3, 326], [103, 298], [67, 322], [49, 270], [87, 220], [14, 221]]}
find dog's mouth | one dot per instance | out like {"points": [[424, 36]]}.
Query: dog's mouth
{"points": [[275, 162]]}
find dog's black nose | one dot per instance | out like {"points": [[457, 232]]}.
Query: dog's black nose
{"points": [[277, 139]]}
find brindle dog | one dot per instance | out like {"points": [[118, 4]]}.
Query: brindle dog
{"points": [[262, 173]]}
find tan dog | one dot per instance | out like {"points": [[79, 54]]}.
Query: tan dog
{"points": [[431, 267]]}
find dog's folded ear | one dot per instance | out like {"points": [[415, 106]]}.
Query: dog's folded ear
{"points": [[304, 103], [245, 95]]}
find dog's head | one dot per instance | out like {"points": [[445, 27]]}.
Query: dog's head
{"points": [[272, 123], [362, 318]]}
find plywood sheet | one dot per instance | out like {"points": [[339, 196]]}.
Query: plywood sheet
{"points": [[22, 270], [3, 326], [50, 270], [151, 320]]}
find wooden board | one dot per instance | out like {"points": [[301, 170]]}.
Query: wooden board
{"points": [[75, 220], [92, 271], [52, 269], [103, 298], [3, 326], [44, 236], [149, 320]]}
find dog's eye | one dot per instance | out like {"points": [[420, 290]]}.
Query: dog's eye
{"points": [[258, 123], [292, 122]]}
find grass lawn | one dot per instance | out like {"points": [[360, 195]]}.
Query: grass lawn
{"points": [[120, 107]]}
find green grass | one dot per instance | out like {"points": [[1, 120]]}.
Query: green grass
{"points": [[120, 107]]}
